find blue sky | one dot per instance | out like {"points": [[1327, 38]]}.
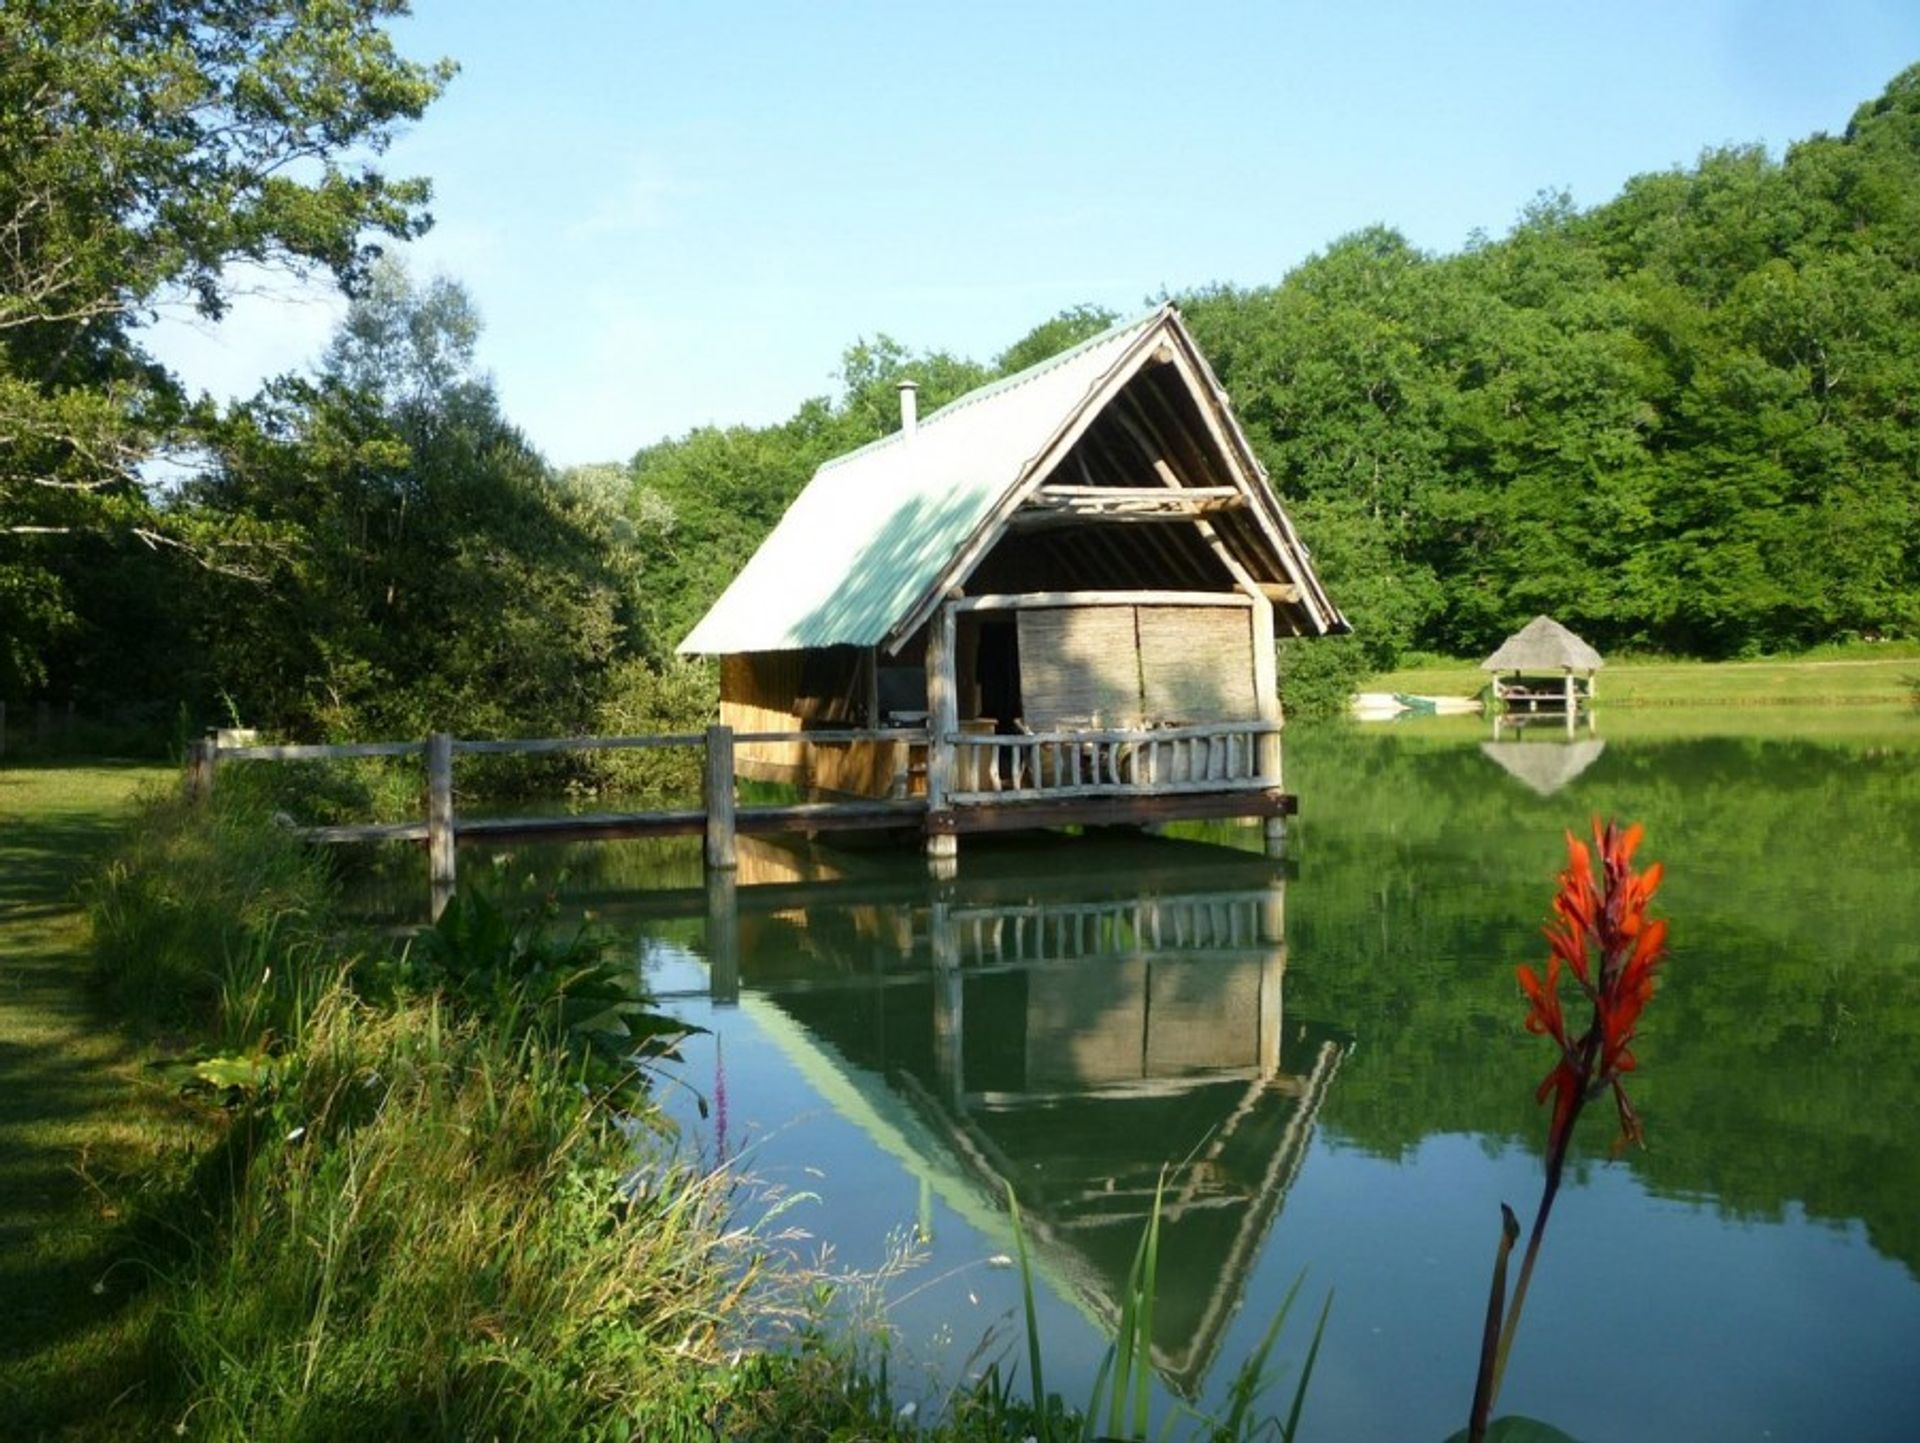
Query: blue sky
{"points": [[672, 215]]}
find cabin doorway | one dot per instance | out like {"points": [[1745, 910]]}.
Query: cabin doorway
{"points": [[997, 673]]}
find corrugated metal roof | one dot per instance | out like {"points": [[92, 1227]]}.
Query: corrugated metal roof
{"points": [[874, 528]]}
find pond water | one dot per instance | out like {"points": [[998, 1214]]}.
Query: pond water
{"points": [[1327, 1058]]}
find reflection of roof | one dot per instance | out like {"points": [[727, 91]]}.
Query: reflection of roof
{"points": [[877, 531], [1543, 644], [1545, 766]]}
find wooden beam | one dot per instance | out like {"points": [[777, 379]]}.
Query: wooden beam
{"points": [[1024, 600], [1112, 811], [1136, 493]]}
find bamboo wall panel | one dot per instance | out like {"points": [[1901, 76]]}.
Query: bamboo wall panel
{"points": [[1078, 664], [1196, 664]]}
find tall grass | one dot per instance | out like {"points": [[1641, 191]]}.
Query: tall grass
{"points": [[209, 918], [437, 1237]]}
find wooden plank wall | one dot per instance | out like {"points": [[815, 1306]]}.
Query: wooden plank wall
{"points": [[759, 692]]}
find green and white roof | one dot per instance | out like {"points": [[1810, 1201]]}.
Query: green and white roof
{"points": [[879, 535]]}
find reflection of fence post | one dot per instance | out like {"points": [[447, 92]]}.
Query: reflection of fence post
{"points": [[723, 936], [717, 796], [440, 834], [944, 940]]}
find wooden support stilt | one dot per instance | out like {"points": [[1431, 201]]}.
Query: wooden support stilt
{"points": [[723, 936], [717, 797], [440, 826]]}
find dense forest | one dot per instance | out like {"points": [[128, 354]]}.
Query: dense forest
{"points": [[1682, 421]]}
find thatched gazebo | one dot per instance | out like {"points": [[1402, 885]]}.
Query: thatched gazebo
{"points": [[1543, 667]]}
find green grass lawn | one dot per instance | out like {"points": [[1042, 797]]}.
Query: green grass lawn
{"points": [[1861, 675], [76, 1121]]}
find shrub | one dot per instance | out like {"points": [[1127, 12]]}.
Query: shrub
{"points": [[1319, 675]]}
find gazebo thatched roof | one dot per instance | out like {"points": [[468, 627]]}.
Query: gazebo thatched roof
{"points": [[1543, 645]]}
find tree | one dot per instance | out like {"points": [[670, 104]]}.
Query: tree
{"points": [[428, 569], [146, 147]]}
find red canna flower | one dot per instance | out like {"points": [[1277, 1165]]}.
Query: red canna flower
{"points": [[1602, 934]]}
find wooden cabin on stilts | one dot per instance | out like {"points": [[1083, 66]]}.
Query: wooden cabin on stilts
{"points": [[1068, 583]]}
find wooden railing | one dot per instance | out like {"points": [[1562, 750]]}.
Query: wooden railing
{"points": [[718, 816], [1224, 757]]}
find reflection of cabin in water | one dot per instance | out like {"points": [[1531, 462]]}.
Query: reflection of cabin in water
{"points": [[1070, 580], [1070, 1035]]}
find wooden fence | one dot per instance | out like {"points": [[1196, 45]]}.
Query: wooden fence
{"points": [[718, 817]]}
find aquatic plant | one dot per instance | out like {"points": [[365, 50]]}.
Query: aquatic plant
{"points": [[1124, 1379], [1601, 934]]}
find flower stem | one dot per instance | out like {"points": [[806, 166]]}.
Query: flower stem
{"points": [[1556, 1164], [1484, 1384]]}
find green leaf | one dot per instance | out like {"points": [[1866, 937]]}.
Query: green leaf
{"points": [[1515, 1429]]}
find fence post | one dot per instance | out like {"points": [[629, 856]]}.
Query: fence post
{"points": [[202, 756], [440, 836], [716, 796]]}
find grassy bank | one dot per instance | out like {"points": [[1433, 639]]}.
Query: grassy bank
{"points": [[337, 1187], [1859, 675]]}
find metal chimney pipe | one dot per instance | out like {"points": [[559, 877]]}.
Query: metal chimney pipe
{"points": [[909, 408]]}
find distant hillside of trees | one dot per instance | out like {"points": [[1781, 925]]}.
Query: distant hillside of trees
{"points": [[1683, 421]]}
